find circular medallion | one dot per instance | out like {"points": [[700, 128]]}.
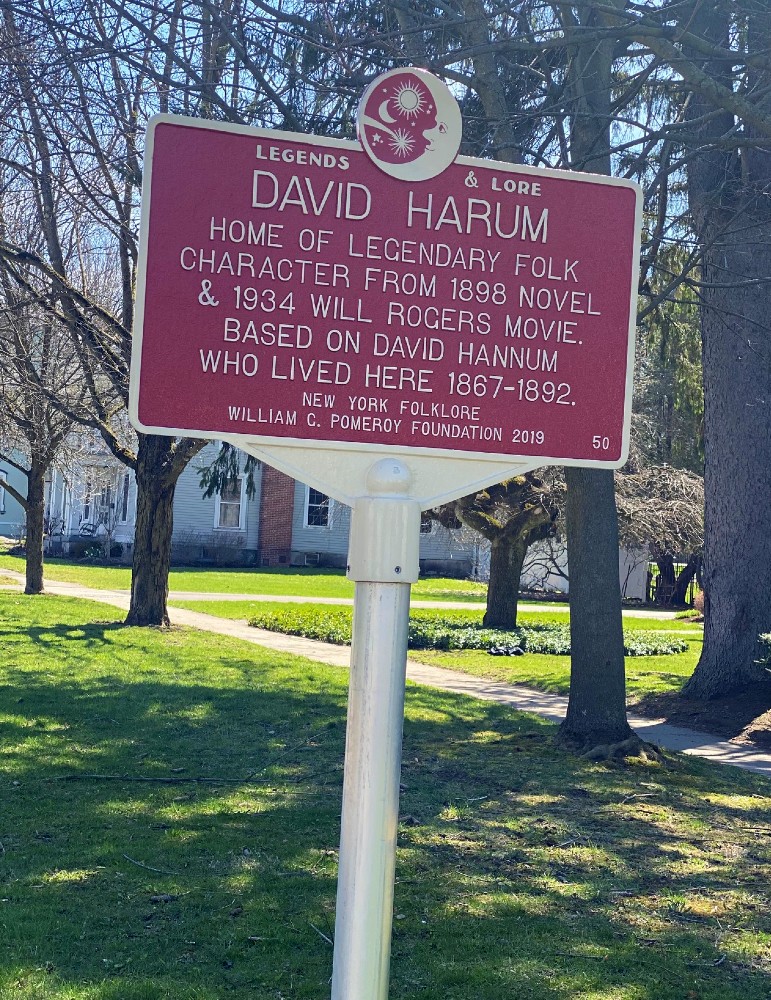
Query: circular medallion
{"points": [[409, 124]]}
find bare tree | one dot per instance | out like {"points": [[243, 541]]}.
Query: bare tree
{"points": [[75, 151], [35, 360], [37, 365], [511, 516], [545, 566], [82, 78], [661, 510]]}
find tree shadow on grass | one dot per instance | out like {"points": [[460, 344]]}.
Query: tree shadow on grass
{"points": [[95, 633], [172, 832], [39, 618]]}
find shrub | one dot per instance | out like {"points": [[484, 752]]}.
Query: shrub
{"points": [[764, 641], [453, 630]]}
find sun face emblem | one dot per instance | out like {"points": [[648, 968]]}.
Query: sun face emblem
{"points": [[409, 124], [409, 101]]}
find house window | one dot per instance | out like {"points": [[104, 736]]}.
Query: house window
{"points": [[317, 505], [105, 506], [124, 499], [229, 506], [426, 523]]}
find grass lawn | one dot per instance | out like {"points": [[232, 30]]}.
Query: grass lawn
{"points": [[170, 818], [645, 674], [298, 582], [242, 610]]}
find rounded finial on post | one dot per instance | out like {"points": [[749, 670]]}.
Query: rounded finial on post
{"points": [[389, 476]]}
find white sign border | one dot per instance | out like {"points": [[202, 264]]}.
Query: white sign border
{"points": [[282, 449]]}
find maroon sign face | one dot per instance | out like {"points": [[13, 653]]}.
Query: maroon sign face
{"points": [[291, 290]]}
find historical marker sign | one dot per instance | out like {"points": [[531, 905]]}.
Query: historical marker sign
{"points": [[292, 289], [398, 327]]}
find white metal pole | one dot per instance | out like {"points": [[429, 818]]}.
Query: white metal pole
{"points": [[383, 560], [371, 793]]}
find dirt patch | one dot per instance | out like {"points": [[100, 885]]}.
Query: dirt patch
{"points": [[743, 718]]}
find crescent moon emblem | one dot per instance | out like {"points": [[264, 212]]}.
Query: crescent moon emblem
{"points": [[383, 112]]}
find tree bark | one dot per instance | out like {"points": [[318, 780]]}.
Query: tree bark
{"points": [[35, 515], [152, 535], [507, 556], [684, 578], [597, 704], [596, 713], [673, 586], [728, 196], [737, 473], [665, 590]]}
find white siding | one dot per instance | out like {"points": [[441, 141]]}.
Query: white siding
{"points": [[12, 516], [194, 514], [329, 540], [439, 545], [632, 568]]}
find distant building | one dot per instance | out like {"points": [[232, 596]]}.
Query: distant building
{"points": [[12, 516], [285, 523]]}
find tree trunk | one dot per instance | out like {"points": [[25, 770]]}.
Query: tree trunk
{"points": [[597, 705], [728, 196], [507, 556], [672, 587], [596, 712], [737, 474], [683, 581], [665, 585], [35, 512], [152, 536]]}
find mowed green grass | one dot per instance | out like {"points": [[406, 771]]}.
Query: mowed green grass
{"points": [[299, 582], [170, 821], [644, 674], [242, 610]]}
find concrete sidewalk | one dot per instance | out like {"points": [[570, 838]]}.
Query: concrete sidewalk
{"points": [[544, 607], [524, 699]]}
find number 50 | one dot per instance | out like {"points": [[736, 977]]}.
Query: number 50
{"points": [[600, 443]]}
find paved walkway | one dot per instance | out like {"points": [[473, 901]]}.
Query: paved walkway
{"points": [[544, 607], [521, 698]]}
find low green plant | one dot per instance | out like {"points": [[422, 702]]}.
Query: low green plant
{"points": [[764, 641], [645, 675], [450, 630]]}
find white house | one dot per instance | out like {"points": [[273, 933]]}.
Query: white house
{"points": [[285, 523], [12, 517]]}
